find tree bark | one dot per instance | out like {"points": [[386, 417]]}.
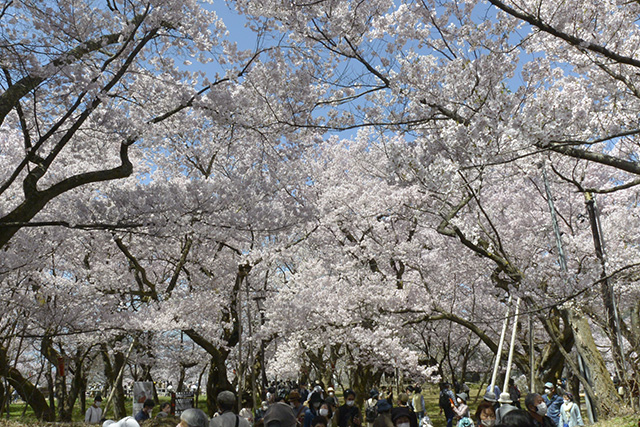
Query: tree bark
{"points": [[111, 371], [28, 391], [607, 401]]}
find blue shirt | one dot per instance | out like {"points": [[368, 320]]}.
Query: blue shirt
{"points": [[496, 390], [141, 416], [553, 407], [309, 415]]}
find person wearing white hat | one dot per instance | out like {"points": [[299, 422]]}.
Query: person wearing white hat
{"points": [[505, 406]]}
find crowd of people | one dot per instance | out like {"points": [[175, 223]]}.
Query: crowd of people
{"points": [[554, 408], [295, 406]]}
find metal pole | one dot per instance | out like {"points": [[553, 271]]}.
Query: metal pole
{"points": [[500, 345], [511, 347]]}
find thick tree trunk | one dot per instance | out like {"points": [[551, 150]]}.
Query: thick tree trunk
{"points": [[217, 380], [111, 371], [607, 401], [26, 389]]}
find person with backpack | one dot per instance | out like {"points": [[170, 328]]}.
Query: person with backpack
{"points": [[446, 402], [371, 407]]}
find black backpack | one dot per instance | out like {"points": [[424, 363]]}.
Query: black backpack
{"points": [[371, 412], [444, 401]]}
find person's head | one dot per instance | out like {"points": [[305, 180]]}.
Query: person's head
{"points": [[383, 406], [462, 398], [331, 391], [148, 405], [294, 398], [226, 400], [418, 389], [97, 401], [350, 397], [505, 398], [194, 417], [319, 421], [400, 418], [516, 418], [166, 408], [568, 397], [403, 399], [549, 388], [511, 381], [373, 394], [315, 400], [535, 405], [485, 414], [490, 397], [280, 415], [325, 409]]}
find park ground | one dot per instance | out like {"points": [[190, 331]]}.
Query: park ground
{"points": [[21, 417]]}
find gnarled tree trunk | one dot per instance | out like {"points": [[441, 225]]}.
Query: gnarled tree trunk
{"points": [[607, 401]]}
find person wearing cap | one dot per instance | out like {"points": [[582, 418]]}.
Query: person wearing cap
{"points": [[145, 412], [94, 413], [462, 410], [226, 401], [569, 413], [348, 415], [371, 407], [505, 406], [553, 401], [193, 417], [403, 403], [279, 415], [490, 397], [384, 414]]}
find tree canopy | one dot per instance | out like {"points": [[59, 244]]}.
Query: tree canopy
{"points": [[358, 195]]}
